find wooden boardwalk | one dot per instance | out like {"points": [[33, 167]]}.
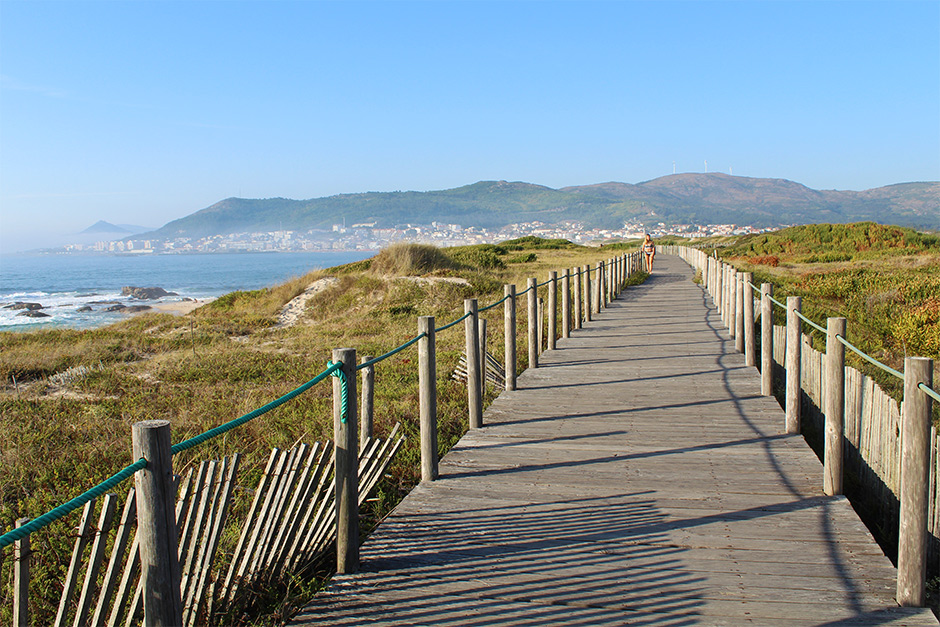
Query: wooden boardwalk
{"points": [[636, 477]]}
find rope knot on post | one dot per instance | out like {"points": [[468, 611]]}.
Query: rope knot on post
{"points": [[337, 371]]}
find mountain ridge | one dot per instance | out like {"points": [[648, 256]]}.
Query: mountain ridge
{"points": [[700, 198]]}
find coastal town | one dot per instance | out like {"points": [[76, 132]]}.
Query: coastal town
{"points": [[369, 236]]}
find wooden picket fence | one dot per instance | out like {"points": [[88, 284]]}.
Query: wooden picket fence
{"points": [[289, 526], [873, 443]]}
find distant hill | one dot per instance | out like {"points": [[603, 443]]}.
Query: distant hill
{"points": [[677, 199], [107, 228]]}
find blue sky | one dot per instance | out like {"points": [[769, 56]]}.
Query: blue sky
{"points": [[143, 112]]}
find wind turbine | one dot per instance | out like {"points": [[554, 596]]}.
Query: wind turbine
{"points": [[706, 165]]}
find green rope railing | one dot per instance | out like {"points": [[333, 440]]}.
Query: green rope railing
{"points": [[337, 371], [926, 390], [897, 373], [66, 508], [811, 323], [870, 359], [394, 351], [450, 324], [499, 302]]}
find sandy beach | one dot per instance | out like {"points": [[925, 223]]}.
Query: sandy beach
{"points": [[179, 308]]}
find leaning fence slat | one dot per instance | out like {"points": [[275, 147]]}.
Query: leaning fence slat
{"points": [[276, 515], [72, 576], [95, 558], [253, 524], [197, 547], [195, 523], [109, 583], [220, 502], [294, 511], [230, 585], [223, 501], [317, 496]]}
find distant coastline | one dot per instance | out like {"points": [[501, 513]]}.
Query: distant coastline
{"points": [[76, 291]]}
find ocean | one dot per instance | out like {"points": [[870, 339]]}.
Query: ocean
{"points": [[64, 283]]}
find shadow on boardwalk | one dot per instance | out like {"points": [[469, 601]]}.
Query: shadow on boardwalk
{"points": [[638, 477]]}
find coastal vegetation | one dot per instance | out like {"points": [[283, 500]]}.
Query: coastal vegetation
{"points": [[884, 279], [69, 397]]}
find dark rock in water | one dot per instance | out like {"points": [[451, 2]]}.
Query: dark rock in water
{"points": [[145, 293], [27, 306], [84, 309], [136, 308], [103, 302], [32, 313], [118, 307]]}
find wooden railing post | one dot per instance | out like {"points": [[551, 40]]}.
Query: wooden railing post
{"points": [[766, 340], [739, 309], [346, 464], [474, 371], [588, 300], [576, 297], [566, 304], [368, 396], [835, 406], [427, 396], [540, 335], [794, 362], [750, 335], [915, 480], [599, 292], [509, 330], [533, 320], [552, 312], [725, 276], [156, 524], [21, 557]]}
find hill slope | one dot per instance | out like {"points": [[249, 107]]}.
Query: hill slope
{"points": [[677, 199]]}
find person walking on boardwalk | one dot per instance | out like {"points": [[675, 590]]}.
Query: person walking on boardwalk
{"points": [[649, 249]]}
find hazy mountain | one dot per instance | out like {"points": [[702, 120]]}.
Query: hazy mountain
{"points": [[676, 199], [103, 227]]}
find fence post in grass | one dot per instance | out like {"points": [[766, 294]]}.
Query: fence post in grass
{"points": [[766, 340], [21, 557], [346, 472], [750, 336], [509, 329], [552, 308], [577, 297], [835, 406], [368, 396], [532, 308], [474, 373], [915, 480], [794, 361], [156, 524], [588, 300], [566, 304], [427, 396]]}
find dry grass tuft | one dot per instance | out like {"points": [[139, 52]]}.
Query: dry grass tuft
{"points": [[411, 259]]}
